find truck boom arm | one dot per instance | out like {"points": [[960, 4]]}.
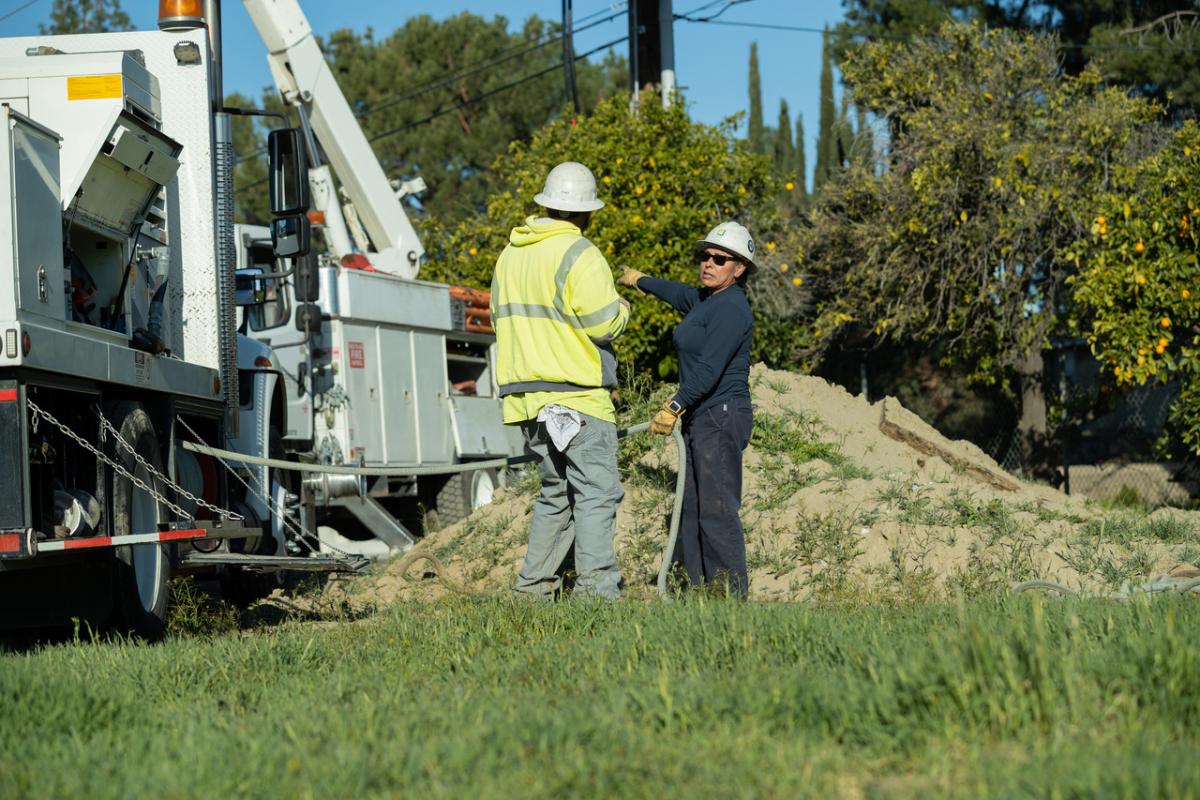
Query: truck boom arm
{"points": [[303, 76]]}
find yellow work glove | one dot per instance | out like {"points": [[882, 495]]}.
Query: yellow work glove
{"points": [[630, 276], [664, 421]]}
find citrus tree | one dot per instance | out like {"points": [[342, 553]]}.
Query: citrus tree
{"points": [[1138, 277], [994, 162], [666, 181]]}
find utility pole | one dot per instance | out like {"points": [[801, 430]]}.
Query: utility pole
{"points": [[652, 47], [666, 37], [569, 55]]}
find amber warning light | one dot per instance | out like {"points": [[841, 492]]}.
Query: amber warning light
{"points": [[180, 15]]}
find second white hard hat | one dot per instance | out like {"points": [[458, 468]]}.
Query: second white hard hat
{"points": [[734, 238], [569, 187]]}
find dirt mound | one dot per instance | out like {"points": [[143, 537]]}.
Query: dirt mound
{"points": [[843, 500]]}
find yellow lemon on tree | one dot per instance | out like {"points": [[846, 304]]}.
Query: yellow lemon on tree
{"points": [[1139, 248], [1165, 322]]}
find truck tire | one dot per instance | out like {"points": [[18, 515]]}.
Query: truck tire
{"points": [[141, 571], [242, 587], [465, 492]]}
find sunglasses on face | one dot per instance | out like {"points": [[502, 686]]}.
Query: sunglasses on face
{"points": [[720, 259]]}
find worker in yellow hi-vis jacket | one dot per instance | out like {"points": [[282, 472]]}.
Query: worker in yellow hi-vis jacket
{"points": [[556, 311]]}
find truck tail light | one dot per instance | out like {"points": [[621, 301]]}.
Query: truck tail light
{"points": [[26, 343], [10, 343]]}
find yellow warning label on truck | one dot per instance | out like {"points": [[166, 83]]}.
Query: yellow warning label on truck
{"points": [[94, 87]]}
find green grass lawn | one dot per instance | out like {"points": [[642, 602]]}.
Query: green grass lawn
{"points": [[709, 698]]}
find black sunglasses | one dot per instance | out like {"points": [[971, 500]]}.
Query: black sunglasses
{"points": [[720, 259]]}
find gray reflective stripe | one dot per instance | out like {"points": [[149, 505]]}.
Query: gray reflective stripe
{"points": [[527, 310], [601, 315], [564, 268], [559, 311], [543, 386]]}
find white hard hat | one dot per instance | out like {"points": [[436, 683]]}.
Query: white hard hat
{"points": [[569, 187], [734, 238]]}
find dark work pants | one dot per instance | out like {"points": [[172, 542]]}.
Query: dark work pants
{"points": [[711, 542]]}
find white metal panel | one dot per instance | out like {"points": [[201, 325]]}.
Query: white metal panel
{"points": [[370, 296], [398, 407], [37, 219], [191, 318], [480, 430], [435, 440]]}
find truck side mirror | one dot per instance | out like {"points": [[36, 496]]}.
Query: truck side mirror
{"points": [[308, 318], [308, 279], [249, 289], [289, 172], [291, 235]]}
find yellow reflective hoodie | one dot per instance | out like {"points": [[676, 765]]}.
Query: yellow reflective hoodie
{"points": [[553, 306]]}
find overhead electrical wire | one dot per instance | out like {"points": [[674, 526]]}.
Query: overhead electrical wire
{"points": [[501, 58], [469, 101], [483, 96], [899, 38], [18, 9]]}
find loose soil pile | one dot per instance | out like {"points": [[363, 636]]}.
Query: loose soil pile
{"points": [[843, 500]]}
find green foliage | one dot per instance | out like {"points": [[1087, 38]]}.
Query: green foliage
{"points": [[85, 16], [996, 161], [827, 122], [801, 168], [1152, 48], [396, 84], [667, 181], [1002, 697], [1138, 277], [755, 131]]}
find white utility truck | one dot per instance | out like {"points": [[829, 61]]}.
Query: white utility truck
{"points": [[138, 323], [379, 368]]}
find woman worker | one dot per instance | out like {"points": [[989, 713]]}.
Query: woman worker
{"points": [[713, 342]]}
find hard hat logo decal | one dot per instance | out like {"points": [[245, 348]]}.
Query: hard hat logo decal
{"points": [[750, 245]]}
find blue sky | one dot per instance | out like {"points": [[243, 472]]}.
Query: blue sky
{"points": [[711, 60]]}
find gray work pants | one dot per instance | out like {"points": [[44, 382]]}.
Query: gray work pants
{"points": [[577, 506]]}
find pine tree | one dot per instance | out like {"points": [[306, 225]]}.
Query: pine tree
{"points": [[755, 130], [86, 16], [801, 163], [827, 123], [784, 151]]}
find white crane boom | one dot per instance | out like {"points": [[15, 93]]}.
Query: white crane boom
{"points": [[302, 75]]}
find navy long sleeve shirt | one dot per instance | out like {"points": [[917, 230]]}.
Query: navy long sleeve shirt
{"points": [[713, 342]]}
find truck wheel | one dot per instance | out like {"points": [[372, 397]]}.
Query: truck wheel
{"points": [[243, 586], [141, 570], [465, 492]]}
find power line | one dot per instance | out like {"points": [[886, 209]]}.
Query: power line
{"points": [[689, 16], [474, 69], [900, 38], [19, 9], [469, 101], [483, 96], [480, 67]]}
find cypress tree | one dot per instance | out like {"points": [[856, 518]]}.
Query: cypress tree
{"points": [[866, 142], [844, 146], [784, 152], [801, 164], [755, 129], [827, 122]]}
